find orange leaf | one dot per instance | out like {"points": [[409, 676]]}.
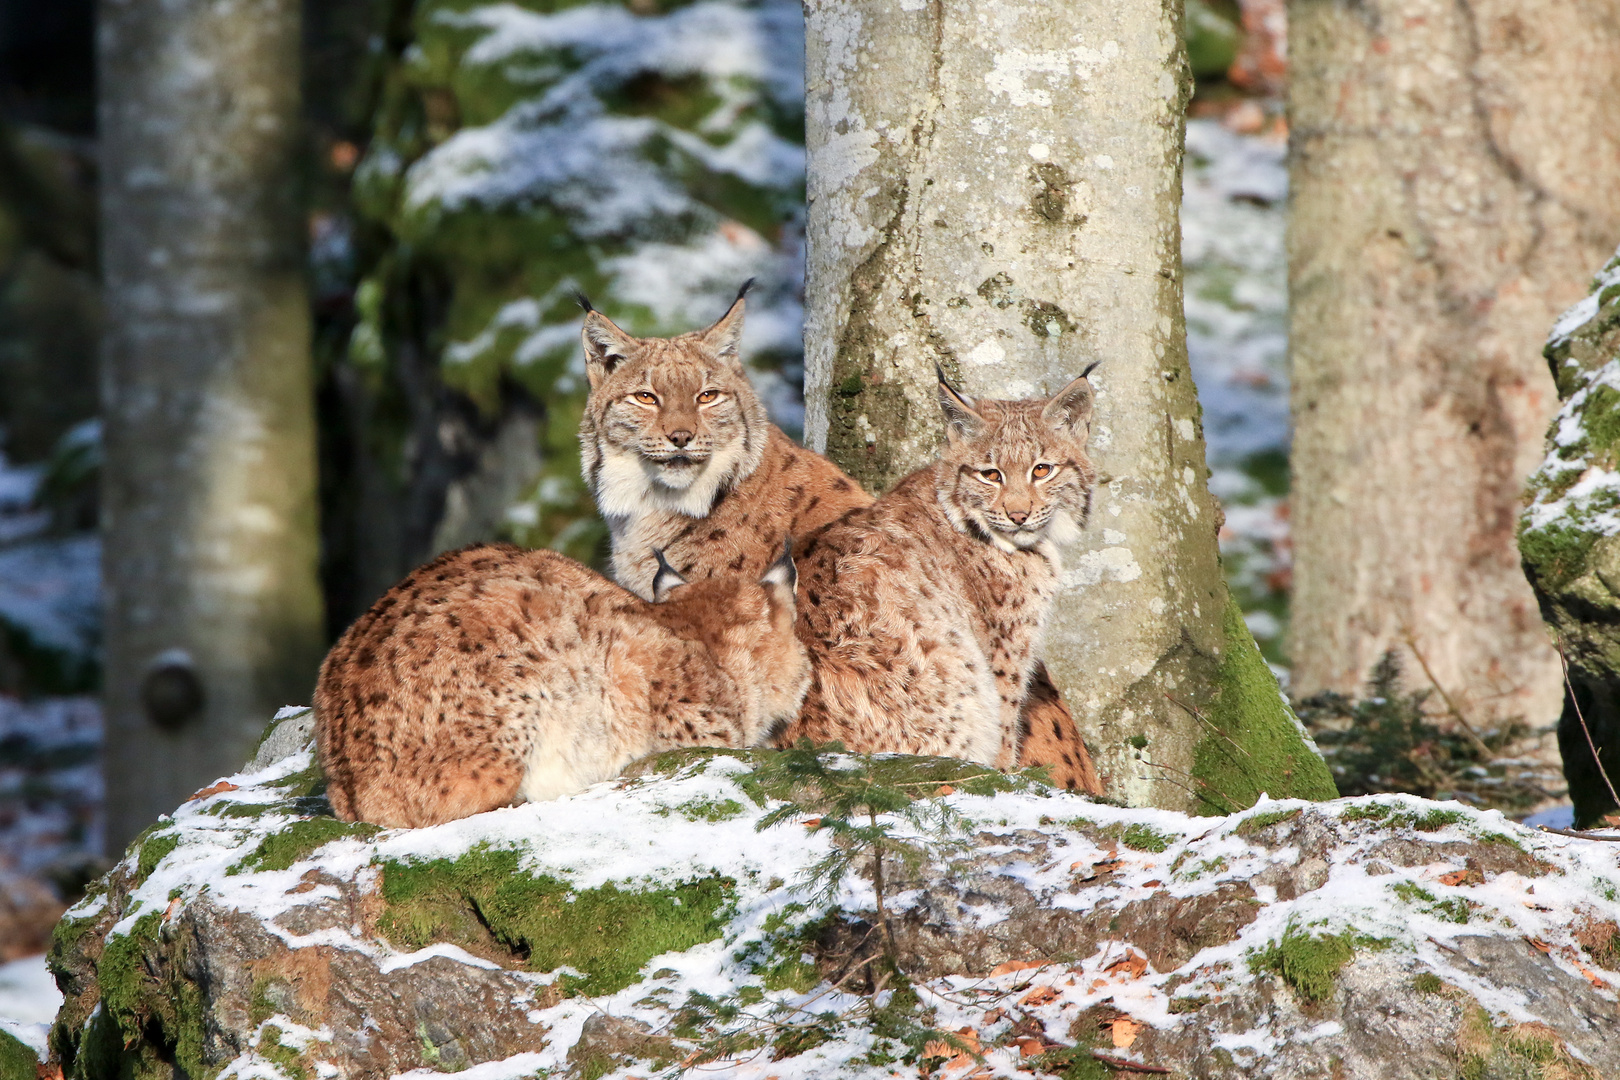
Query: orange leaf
{"points": [[1154, 884], [944, 789], [1039, 996], [995, 1016], [811, 823], [1030, 1047], [1539, 945], [1132, 964], [1124, 1031], [1014, 965], [938, 1048], [213, 789]]}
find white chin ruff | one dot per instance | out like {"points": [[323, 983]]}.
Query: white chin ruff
{"points": [[630, 485]]}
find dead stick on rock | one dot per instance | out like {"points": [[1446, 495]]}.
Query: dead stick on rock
{"points": [[1590, 745], [1129, 1066]]}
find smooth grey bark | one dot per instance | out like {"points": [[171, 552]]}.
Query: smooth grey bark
{"points": [[1454, 165], [213, 613], [995, 187]]}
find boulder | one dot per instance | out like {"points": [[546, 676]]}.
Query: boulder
{"points": [[719, 909], [1569, 537]]}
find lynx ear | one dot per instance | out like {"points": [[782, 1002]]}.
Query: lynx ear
{"points": [[782, 571], [1070, 408], [605, 346], [723, 337], [666, 580], [961, 421]]}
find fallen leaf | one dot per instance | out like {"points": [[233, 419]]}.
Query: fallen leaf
{"points": [[1469, 876], [1591, 976], [1077, 865], [811, 823], [1154, 884], [995, 1016], [944, 789], [1539, 945], [168, 912], [213, 789], [1132, 964], [1014, 965], [1030, 1047], [1098, 984], [1124, 1031], [1041, 995]]}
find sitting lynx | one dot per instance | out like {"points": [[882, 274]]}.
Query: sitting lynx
{"points": [[493, 675], [923, 612], [681, 457]]}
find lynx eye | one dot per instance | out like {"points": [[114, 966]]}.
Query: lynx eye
{"points": [[646, 397], [707, 396], [990, 476], [1041, 472]]}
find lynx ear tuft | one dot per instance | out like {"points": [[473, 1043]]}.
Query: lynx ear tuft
{"points": [[782, 571], [666, 580], [605, 345], [961, 421], [724, 336], [1070, 408]]}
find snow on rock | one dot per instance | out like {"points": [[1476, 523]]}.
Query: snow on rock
{"points": [[650, 924], [1569, 533]]}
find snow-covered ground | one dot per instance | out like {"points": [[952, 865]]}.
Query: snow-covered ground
{"points": [[28, 1001]]}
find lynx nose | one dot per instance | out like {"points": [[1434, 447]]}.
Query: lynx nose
{"points": [[679, 438], [1018, 516]]}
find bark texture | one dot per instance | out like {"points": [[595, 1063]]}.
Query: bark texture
{"points": [[995, 187], [1454, 169], [213, 611]]}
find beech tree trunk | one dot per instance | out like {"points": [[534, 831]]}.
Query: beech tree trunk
{"points": [[995, 187], [213, 614], [1454, 169]]}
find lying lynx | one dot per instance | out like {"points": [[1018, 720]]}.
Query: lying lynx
{"points": [[493, 675], [681, 457], [923, 612]]}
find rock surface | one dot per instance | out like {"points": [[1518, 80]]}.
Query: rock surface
{"points": [[649, 924], [1569, 537]]}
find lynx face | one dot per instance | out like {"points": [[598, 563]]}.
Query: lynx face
{"points": [[670, 421], [1016, 472]]}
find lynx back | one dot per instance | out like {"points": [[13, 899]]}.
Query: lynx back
{"points": [[494, 675]]}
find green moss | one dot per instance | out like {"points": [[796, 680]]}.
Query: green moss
{"points": [[153, 852], [1432, 820], [1190, 1003], [300, 840], [1555, 554], [710, 809], [285, 1058], [485, 900], [1309, 963], [1257, 745], [1145, 838], [1427, 982], [17, 1060], [1255, 822]]}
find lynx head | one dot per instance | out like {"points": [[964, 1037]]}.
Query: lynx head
{"points": [[670, 423], [749, 626], [1016, 473]]}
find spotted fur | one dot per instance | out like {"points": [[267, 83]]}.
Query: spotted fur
{"points": [[750, 486], [495, 675], [923, 612]]}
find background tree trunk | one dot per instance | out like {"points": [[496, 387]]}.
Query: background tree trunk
{"points": [[996, 187], [1454, 169], [213, 610]]}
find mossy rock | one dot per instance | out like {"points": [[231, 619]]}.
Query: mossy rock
{"points": [[1569, 538], [661, 902]]}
